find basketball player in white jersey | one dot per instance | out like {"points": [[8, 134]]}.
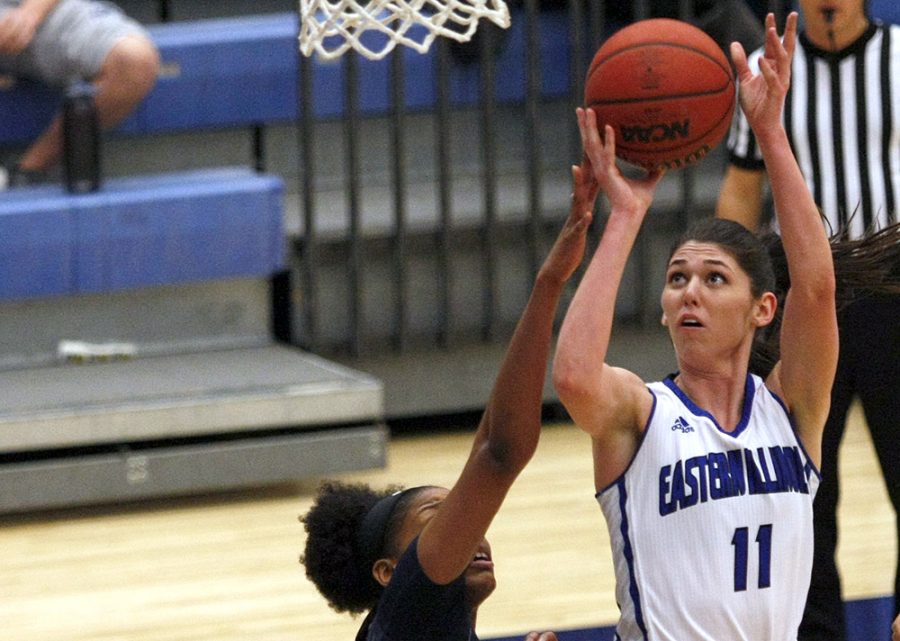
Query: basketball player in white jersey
{"points": [[707, 479]]}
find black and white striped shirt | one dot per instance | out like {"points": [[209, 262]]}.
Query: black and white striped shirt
{"points": [[842, 115]]}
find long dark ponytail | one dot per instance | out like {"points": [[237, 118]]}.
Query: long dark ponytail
{"points": [[868, 266]]}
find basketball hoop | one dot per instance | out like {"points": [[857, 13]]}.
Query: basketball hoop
{"points": [[375, 27]]}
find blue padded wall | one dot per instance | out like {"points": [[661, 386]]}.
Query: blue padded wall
{"points": [[26, 108], [37, 245], [141, 232], [220, 73], [161, 230]]}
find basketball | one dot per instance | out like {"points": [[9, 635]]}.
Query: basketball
{"points": [[666, 88]]}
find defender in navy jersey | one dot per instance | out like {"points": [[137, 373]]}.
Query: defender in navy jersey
{"points": [[707, 479], [842, 117], [417, 560]]}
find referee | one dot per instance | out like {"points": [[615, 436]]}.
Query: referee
{"points": [[842, 115]]}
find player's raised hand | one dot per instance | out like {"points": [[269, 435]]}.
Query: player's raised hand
{"points": [[541, 636], [631, 194], [568, 251], [762, 95], [584, 185]]}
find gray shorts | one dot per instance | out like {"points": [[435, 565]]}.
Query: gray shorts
{"points": [[72, 42]]}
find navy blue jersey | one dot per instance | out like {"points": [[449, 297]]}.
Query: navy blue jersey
{"points": [[414, 608]]}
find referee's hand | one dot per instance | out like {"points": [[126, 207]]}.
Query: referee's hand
{"points": [[551, 636]]}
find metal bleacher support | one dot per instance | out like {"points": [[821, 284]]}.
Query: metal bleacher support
{"points": [[138, 352]]}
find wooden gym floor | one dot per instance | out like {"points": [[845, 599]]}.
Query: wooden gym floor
{"points": [[225, 567]]}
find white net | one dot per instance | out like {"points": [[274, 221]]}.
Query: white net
{"points": [[375, 27]]}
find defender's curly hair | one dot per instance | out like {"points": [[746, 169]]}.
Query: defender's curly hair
{"points": [[330, 556], [868, 266]]}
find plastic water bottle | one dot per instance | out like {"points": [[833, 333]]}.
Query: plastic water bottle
{"points": [[81, 139]]}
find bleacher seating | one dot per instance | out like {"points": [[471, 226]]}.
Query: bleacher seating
{"points": [[231, 72], [216, 73], [242, 71], [160, 229], [177, 271], [140, 231]]}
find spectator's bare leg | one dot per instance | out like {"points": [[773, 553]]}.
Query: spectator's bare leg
{"points": [[127, 75]]}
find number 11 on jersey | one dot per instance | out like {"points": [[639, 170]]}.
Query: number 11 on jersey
{"points": [[741, 543]]}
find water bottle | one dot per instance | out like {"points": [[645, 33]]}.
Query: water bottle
{"points": [[81, 139]]}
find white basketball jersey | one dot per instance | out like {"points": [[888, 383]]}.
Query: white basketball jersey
{"points": [[711, 531]]}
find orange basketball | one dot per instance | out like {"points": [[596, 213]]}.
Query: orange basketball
{"points": [[666, 88]]}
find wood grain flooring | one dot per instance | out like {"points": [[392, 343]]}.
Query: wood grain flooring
{"points": [[225, 567]]}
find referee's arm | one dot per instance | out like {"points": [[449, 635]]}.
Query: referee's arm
{"points": [[741, 196]]}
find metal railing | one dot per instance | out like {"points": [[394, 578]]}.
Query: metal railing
{"points": [[587, 25]]}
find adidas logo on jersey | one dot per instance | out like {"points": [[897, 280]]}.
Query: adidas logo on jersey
{"points": [[682, 425]]}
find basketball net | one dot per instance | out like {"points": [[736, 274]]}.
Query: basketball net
{"points": [[331, 27]]}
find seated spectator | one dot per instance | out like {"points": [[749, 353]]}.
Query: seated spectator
{"points": [[58, 42]]}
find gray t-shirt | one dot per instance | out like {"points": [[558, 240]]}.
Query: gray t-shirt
{"points": [[71, 43]]}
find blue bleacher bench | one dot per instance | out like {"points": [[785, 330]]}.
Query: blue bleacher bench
{"points": [[231, 72], [140, 232]]}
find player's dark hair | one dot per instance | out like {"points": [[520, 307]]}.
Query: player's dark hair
{"points": [[867, 266], [330, 555], [348, 528], [738, 241]]}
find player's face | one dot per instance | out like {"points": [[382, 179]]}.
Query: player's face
{"points": [[421, 510], [847, 19], [707, 304], [480, 581]]}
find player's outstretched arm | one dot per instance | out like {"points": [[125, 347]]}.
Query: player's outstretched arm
{"points": [[809, 343], [603, 400], [510, 427]]}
